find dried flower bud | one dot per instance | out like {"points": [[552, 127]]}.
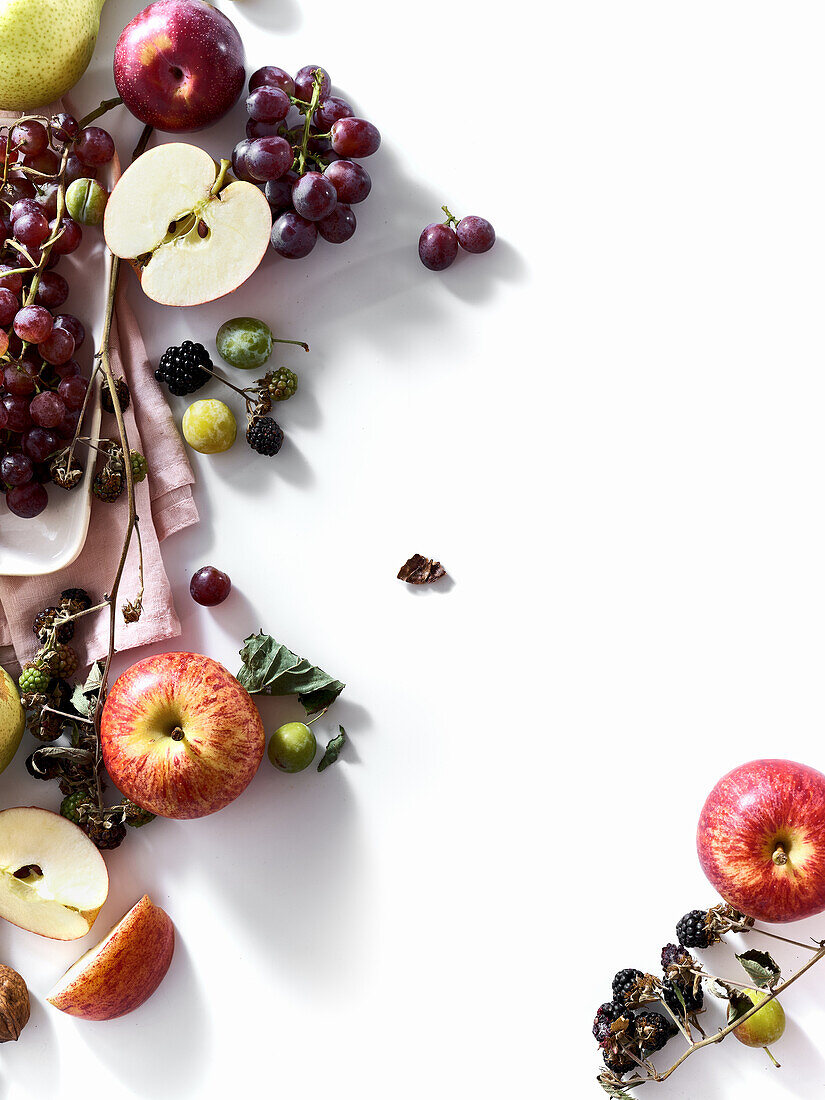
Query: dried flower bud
{"points": [[14, 1004], [421, 570]]}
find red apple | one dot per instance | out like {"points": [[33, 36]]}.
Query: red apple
{"points": [[761, 840], [118, 974], [180, 736], [179, 65]]}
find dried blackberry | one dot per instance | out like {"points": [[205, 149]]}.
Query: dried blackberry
{"points": [[692, 930], [182, 368], [71, 804], [62, 661], [46, 621], [653, 1031], [123, 395], [617, 1060], [623, 984], [264, 435], [135, 816], [75, 599], [42, 767], [608, 1014], [106, 834]]}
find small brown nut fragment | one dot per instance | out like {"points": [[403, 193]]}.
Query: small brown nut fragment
{"points": [[421, 570], [14, 1004]]}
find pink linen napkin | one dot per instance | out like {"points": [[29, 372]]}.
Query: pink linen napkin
{"points": [[164, 503]]}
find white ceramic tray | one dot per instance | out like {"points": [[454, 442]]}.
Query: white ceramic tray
{"points": [[52, 540]]}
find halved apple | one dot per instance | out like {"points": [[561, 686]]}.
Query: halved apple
{"points": [[190, 235], [118, 974], [53, 880]]}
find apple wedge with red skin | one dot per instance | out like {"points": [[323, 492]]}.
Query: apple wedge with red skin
{"points": [[122, 971], [761, 840], [180, 736]]}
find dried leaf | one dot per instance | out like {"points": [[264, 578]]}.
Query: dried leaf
{"points": [[84, 696], [761, 968], [613, 1090], [738, 1005], [333, 750], [421, 570], [269, 668]]}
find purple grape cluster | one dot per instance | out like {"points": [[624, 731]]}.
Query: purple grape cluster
{"points": [[303, 145], [42, 386]]}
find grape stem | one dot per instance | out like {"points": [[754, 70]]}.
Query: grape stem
{"points": [[451, 218], [104, 106], [318, 80]]}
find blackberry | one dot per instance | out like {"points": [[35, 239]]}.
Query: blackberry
{"points": [[135, 815], [281, 384], [123, 395], [70, 806], [33, 680], [617, 1060], [182, 369], [672, 955], [45, 622], [140, 467], [75, 599], [623, 984], [606, 1016], [653, 1031], [45, 768], [62, 661], [105, 835], [264, 436], [107, 486], [694, 1000], [692, 929]]}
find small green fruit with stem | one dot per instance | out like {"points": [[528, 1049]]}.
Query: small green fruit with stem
{"points": [[86, 201], [292, 747], [246, 342], [765, 1026]]}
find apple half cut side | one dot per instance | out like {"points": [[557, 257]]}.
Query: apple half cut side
{"points": [[190, 236], [122, 971], [53, 880]]}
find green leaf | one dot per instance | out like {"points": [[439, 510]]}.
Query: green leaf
{"points": [[333, 750], [761, 968], [84, 696], [738, 1005], [269, 668]]}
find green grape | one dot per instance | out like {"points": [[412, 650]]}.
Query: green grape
{"points": [[292, 747], [244, 342], [86, 201]]}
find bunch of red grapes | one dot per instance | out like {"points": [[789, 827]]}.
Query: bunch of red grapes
{"points": [[303, 144], [42, 386]]}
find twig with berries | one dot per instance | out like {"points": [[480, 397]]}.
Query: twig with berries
{"points": [[628, 1038]]}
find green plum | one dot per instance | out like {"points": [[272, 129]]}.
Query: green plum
{"points": [[244, 342], [292, 747], [209, 426], [86, 201], [765, 1026]]}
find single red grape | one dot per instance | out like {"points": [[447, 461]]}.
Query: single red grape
{"points": [[47, 409], [71, 324], [239, 165], [267, 104], [314, 196], [263, 129], [209, 586], [39, 443], [17, 408], [27, 501], [293, 236], [268, 158], [338, 226], [69, 238], [16, 468], [76, 170], [279, 192], [475, 234], [354, 137], [351, 181], [270, 76], [94, 146], [33, 324], [31, 230], [52, 291], [30, 137], [437, 246], [330, 110], [19, 379], [73, 391], [64, 128], [14, 283], [305, 82], [58, 347]]}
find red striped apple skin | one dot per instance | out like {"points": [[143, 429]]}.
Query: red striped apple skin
{"points": [[761, 840], [126, 971], [180, 736]]}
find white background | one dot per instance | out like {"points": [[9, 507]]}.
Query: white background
{"points": [[609, 429]]}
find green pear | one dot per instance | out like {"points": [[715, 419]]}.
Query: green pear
{"points": [[12, 719], [45, 47]]}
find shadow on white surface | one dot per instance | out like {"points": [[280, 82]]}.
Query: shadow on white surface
{"points": [[279, 16], [34, 1060], [132, 1047]]}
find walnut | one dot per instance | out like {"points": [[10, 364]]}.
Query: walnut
{"points": [[14, 1004]]}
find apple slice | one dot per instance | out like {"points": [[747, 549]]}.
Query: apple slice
{"points": [[122, 971], [53, 880], [190, 236]]}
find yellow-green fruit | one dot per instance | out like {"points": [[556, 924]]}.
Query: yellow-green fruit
{"points": [[209, 426], [45, 47], [12, 719], [766, 1025]]}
